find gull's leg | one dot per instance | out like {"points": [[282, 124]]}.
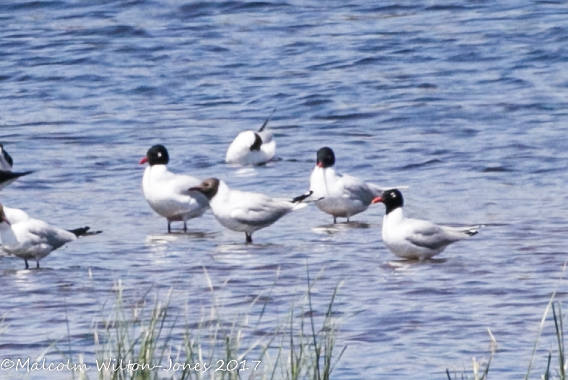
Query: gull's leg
{"points": [[334, 220], [169, 227], [27, 266], [249, 238], [184, 226], [37, 266]]}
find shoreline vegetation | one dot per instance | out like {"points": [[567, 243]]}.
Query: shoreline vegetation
{"points": [[135, 341], [147, 340], [552, 371]]}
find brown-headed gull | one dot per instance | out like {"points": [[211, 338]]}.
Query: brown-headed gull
{"points": [[244, 211], [167, 192], [415, 238], [33, 239], [252, 148]]}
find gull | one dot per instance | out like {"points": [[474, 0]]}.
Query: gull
{"points": [[339, 195], [167, 192], [6, 174], [252, 148], [33, 239], [415, 238], [244, 211]]}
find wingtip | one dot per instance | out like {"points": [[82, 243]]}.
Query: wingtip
{"points": [[267, 120], [474, 230], [84, 231], [302, 197]]}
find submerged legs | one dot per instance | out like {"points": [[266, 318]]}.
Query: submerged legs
{"points": [[249, 238], [170, 226], [28, 265]]}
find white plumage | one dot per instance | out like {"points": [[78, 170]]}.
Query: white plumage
{"points": [[414, 238], [339, 195], [252, 148], [33, 239], [167, 193], [243, 211]]}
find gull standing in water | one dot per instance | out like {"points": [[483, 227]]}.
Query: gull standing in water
{"points": [[415, 238], [167, 192], [339, 195], [244, 211], [33, 239], [252, 148], [7, 176]]}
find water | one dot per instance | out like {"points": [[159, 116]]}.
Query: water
{"points": [[465, 103]]}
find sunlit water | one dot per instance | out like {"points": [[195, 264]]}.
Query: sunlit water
{"points": [[466, 104]]}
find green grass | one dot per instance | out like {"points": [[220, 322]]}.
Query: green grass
{"points": [[554, 370], [300, 346]]}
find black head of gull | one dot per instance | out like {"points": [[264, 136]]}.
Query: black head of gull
{"points": [[208, 187], [392, 200], [325, 158], [156, 155]]}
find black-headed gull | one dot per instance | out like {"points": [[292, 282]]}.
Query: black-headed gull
{"points": [[252, 148], [167, 192], [244, 211], [33, 239], [339, 195], [415, 238], [6, 174]]}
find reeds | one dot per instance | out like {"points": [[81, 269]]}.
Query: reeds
{"points": [[135, 342], [558, 372]]}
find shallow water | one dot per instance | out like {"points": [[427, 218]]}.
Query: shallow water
{"points": [[465, 103]]}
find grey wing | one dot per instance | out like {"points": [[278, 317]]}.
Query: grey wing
{"points": [[47, 234], [183, 182], [428, 235], [261, 210], [266, 136], [356, 189]]}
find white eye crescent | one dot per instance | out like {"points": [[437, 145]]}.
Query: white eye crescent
{"points": [[159, 154]]}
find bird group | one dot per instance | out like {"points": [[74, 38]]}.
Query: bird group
{"points": [[25, 237], [179, 198]]}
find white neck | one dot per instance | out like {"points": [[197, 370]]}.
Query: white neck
{"points": [[395, 216], [223, 193]]}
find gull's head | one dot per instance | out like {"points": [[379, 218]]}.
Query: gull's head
{"points": [[325, 158], [391, 198], [208, 187], [3, 216], [156, 155]]}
